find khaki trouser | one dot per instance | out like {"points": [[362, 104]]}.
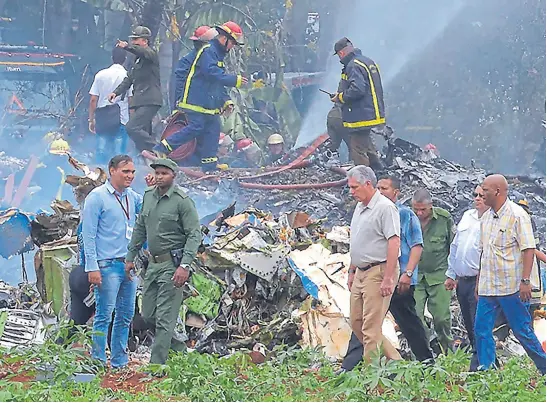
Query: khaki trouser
{"points": [[362, 149], [367, 312], [360, 144]]}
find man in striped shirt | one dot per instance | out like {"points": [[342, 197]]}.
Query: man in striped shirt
{"points": [[507, 248]]}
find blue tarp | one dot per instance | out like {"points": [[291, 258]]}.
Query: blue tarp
{"points": [[15, 235]]}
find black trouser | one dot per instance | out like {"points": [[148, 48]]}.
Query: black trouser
{"points": [[403, 309], [354, 354], [465, 291], [79, 290], [139, 127]]}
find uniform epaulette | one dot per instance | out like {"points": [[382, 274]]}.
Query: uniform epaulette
{"points": [[149, 188], [442, 212], [178, 190]]}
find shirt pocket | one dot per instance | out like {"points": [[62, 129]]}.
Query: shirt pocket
{"points": [[437, 243], [503, 239], [169, 222]]}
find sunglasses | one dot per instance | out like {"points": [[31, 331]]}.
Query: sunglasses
{"points": [[481, 195]]}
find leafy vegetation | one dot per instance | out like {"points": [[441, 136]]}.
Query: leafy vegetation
{"points": [[290, 374]]}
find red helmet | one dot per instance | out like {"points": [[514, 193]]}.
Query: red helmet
{"points": [[225, 140], [243, 144], [199, 32], [232, 30]]}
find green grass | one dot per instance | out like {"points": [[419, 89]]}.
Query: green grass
{"points": [[286, 376]]}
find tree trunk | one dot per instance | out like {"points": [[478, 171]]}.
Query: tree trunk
{"points": [[174, 61], [152, 14], [59, 24]]}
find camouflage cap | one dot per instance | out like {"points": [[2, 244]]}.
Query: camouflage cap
{"points": [[165, 162]]}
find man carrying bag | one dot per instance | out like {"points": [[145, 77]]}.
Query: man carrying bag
{"points": [[106, 120]]}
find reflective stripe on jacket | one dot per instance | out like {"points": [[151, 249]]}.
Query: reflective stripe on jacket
{"points": [[362, 96], [205, 87]]}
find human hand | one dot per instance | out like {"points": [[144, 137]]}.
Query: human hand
{"points": [[111, 97], [181, 276], [404, 284], [122, 44], [95, 278], [450, 284], [387, 286], [150, 180], [525, 291], [351, 277], [129, 266], [91, 126]]}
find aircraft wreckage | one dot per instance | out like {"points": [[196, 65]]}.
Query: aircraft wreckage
{"points": [[274, 259]]}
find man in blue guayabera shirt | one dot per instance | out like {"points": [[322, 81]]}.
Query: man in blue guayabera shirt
{"points": [[403, 305], [109, 216]]}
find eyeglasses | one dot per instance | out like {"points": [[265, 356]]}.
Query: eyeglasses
{"points": [[481, 195]]}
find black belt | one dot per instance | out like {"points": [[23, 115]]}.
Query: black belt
{"points": [[466, 277], [370, 266]]}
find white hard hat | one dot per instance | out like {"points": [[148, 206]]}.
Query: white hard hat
{"points": [[276, 139]]}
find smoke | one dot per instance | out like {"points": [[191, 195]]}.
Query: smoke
{"points": [[390, 32]]}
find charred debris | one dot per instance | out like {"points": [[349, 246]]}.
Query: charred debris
{"points": [[273, 264]]}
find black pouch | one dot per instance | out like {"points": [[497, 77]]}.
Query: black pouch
{"points": [[107, 119], [176, 256]]}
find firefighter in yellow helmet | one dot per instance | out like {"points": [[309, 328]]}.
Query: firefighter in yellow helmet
{"points": [[276, 148], [59, 147]]}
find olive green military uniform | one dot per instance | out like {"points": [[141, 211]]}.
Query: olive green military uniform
{"points": [[166, 222], [147, 98], [437, 235]]}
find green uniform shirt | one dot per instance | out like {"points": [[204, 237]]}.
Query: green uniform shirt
{"points": [[438, 235], [144, 76], [166, 223]]}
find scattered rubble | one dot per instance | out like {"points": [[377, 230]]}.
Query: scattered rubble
{"points": [[273, 264]]}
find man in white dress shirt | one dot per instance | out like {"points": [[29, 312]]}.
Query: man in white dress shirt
{"points": [[107, 120], [463, 267]]}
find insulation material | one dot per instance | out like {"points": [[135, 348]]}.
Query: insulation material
{"points": [[324, 276]]}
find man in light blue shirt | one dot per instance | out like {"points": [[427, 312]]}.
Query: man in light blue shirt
{"points": [[403, 304], [109, 216]]}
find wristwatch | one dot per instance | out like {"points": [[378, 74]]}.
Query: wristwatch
{"points": [[525, 281], [409, 273]]}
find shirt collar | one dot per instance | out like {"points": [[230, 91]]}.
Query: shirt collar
{"points": [[114, 191], [169, 192], [372, 202], [501, 211], [434, 214], [117, 67], [474, 214]]}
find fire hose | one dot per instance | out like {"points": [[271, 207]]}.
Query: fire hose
{"points": [[297, 163], [300, 186], [296, 186]]}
